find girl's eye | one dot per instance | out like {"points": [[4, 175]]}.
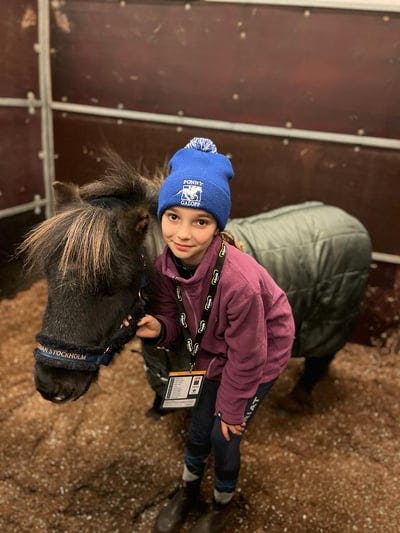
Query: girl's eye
{"points": [[172, 216], [201, 222]]}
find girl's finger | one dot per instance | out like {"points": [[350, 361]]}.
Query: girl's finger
{"points": [[225, 431]]}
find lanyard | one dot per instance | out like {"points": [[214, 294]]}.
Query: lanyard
{"points": [[193, 345]]}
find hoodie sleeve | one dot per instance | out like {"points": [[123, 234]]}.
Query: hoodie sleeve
{"points": [[246, 339]]}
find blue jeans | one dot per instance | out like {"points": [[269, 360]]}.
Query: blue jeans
{"points": [[205, 435]]}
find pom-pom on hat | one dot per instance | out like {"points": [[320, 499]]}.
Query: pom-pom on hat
{"points": [[199, 178]]}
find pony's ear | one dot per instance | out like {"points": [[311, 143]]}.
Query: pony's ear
{"points": [[65, 193], [132, 225]]}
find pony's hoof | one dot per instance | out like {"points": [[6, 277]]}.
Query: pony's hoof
{"points": [[153, 413], [156, 414], [297, 401]]}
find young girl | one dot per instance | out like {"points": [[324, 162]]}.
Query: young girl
{"points": [[237, 323]]}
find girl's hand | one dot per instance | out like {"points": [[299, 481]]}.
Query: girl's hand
{"points": [[235, 429], [148, 327]]}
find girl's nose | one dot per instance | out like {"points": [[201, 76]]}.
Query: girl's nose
{"points": [[184, 232]]}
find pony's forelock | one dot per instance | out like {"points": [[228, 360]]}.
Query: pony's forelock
{"points": [[88, 246], [80, 238]]}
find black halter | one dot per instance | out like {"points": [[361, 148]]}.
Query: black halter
{"points": [[60, 354]]}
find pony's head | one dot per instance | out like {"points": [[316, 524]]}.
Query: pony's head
{"points": [[92, 253]]}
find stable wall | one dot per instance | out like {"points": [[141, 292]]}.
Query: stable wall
{"points": [[320, 71], [305, 100]]}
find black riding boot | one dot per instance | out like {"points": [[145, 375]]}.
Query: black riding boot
{"points": [[175, 513], [216, 519]]}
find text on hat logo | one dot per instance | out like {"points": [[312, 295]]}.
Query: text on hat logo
{"points": [[191, 193]]}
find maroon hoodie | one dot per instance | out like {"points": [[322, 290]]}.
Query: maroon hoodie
{"points": [[250, 330]]}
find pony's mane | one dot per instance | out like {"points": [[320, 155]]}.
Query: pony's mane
{"points": [[82, 240]]}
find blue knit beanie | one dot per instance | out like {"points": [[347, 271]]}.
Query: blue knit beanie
{"points": [[199, 178]]}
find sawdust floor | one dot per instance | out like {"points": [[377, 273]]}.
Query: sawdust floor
{"points": [[99, 465]]}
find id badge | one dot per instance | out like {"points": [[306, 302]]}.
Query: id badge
{"points": [[183, 389]]}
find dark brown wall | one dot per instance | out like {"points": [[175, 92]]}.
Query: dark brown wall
{"points": [[269, 173], [20, 140], [18, 33], [378, 323], [20, 167], [334, 71], [13, 277]]}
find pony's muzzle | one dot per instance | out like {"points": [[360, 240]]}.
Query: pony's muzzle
{"points": [[59, 385]]}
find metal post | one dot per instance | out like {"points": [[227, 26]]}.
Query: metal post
{"points": [[47, 153]]}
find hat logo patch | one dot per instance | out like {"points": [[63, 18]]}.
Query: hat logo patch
{"points": [[191, 193]]}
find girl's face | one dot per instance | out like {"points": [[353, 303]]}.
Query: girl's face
{"points": [[188, 233]]}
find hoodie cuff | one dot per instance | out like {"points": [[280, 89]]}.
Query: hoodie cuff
{"points": [[233, 419]]}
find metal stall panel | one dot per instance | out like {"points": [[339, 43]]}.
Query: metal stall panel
{"points": [[335, 71], [316, 69], [20, 181], [20, 167], [18, 34], [20, 143]]}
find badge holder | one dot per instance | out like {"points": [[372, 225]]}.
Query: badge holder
{"points": [[183, 389]]}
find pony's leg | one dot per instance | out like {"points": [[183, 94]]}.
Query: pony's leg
{"points": [[156, 367], [315, 368], [158, 363], [300, 397]]}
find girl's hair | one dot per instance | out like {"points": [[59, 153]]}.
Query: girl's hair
{"points": [[231, 239]]}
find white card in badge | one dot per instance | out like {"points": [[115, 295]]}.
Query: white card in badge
{"points": [[183, 389]]}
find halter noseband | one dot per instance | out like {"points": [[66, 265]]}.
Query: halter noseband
{"points": [[72, 360], [73, 357]]}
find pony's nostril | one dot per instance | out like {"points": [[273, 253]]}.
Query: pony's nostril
{"points": [[58, 398]]}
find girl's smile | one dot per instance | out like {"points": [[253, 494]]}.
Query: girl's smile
{"points": [[182, 247], [188, 232]]}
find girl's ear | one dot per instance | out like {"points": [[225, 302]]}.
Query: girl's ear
{"points": [[132, 225], [65, 193]]}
